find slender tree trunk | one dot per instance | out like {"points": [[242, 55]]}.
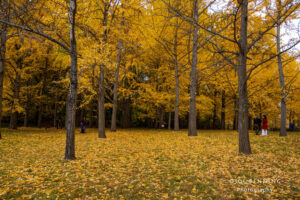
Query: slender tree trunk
{"points": [[281, 75], [14, 115], [101, 94], [236, 113], [244, 143], [71, 103], [193, 81], [13, 120], [26, 115], [26, 118], [3, 39], [116, 83], [215, 111], [126, 113], [170, 120], [176, 114], [161, 118], [101, 108], [223, 111], [115, 97], [156, 119], [55, 112], [40, 116]]}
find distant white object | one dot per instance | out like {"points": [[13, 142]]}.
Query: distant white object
{"points": [[264, 132], [163, 126]]}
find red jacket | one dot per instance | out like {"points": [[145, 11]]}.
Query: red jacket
{"points": [[264, 124]]}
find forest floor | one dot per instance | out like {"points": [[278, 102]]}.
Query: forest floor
{"points": [[147, 164]]}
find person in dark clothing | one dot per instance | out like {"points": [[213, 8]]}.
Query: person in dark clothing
{"points": [[257, 125], [265, 126], [83, 125], [58, 124], [292, 126]]}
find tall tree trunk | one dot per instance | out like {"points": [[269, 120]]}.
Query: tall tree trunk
{"points": [[176, 114], [40, 115], [25, 119], [193, 78], [116, 83], [223, 111], [236, 113], [215, 111], [71, 103], [281, 75], [244, 143], [55, 112], [3, 39], [170, 120], [14, 115], [115, 97], [101, 108], [156, 119], [101, 93], [126, 113], [26, 114], [42, 92], [161, 118], [13, 124]]}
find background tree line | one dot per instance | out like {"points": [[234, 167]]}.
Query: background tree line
{"points": [[176, 64]]}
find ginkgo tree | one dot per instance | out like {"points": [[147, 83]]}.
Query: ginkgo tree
{"points": [[147, 63]]}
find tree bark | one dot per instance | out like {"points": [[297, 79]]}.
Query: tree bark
{"points": [[215, 111], [55, 111], [26, 119], [71, 103], [101, 93], [14, 115], [42, 92], [27, 107], [281, 75], [16, 92], [170, 120], [193, 78], [156, 119], [115, 97], [176, 114], [126, 113], [101, 108], [236, 113], [244, 143], [223, 111], [161, 118], [116, 83], [3, 38]]}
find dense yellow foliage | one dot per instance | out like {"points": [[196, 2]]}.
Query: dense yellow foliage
{"points": [[146, 164]]}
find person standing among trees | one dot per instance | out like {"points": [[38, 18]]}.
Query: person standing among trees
{"points": [[58, 124], [264, 126], [257, 125], [83, 125]]}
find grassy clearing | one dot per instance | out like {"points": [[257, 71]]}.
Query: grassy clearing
{"points": [[147, 164]]}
